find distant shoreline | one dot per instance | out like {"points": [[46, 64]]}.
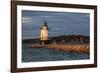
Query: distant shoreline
{"points": [[79, 48], [59, 39]]}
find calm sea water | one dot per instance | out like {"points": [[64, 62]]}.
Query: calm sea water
{"points": [[44, 54]]}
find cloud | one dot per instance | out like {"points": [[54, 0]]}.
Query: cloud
{"points": [[26, 19], [46, 16], [55, 29]]}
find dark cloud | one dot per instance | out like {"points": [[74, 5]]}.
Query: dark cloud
{"points": [[59, 23]]}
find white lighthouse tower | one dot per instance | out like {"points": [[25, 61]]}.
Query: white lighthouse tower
{"points": [[44, 33]]}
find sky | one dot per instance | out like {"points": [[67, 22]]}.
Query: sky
{"points": [[59, 23]]}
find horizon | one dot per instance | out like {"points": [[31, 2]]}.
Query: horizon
{"points": [[56, 36]]}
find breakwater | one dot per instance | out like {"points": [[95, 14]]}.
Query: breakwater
{"points": [[69, 47]]}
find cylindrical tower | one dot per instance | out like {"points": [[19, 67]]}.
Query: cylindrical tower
{"points": [[44, 33]]}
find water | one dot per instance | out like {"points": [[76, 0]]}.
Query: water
{"points": [[44, 54]]}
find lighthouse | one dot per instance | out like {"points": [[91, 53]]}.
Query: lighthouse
{"points": [[44, 33]]}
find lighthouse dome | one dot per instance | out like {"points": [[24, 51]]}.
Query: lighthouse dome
{"points": [[45, 26]]}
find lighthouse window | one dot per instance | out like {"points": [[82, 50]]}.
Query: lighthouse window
{"points": [[42, 37]]}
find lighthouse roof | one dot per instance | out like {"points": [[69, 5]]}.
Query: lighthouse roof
{"points": [[44, 25]]}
